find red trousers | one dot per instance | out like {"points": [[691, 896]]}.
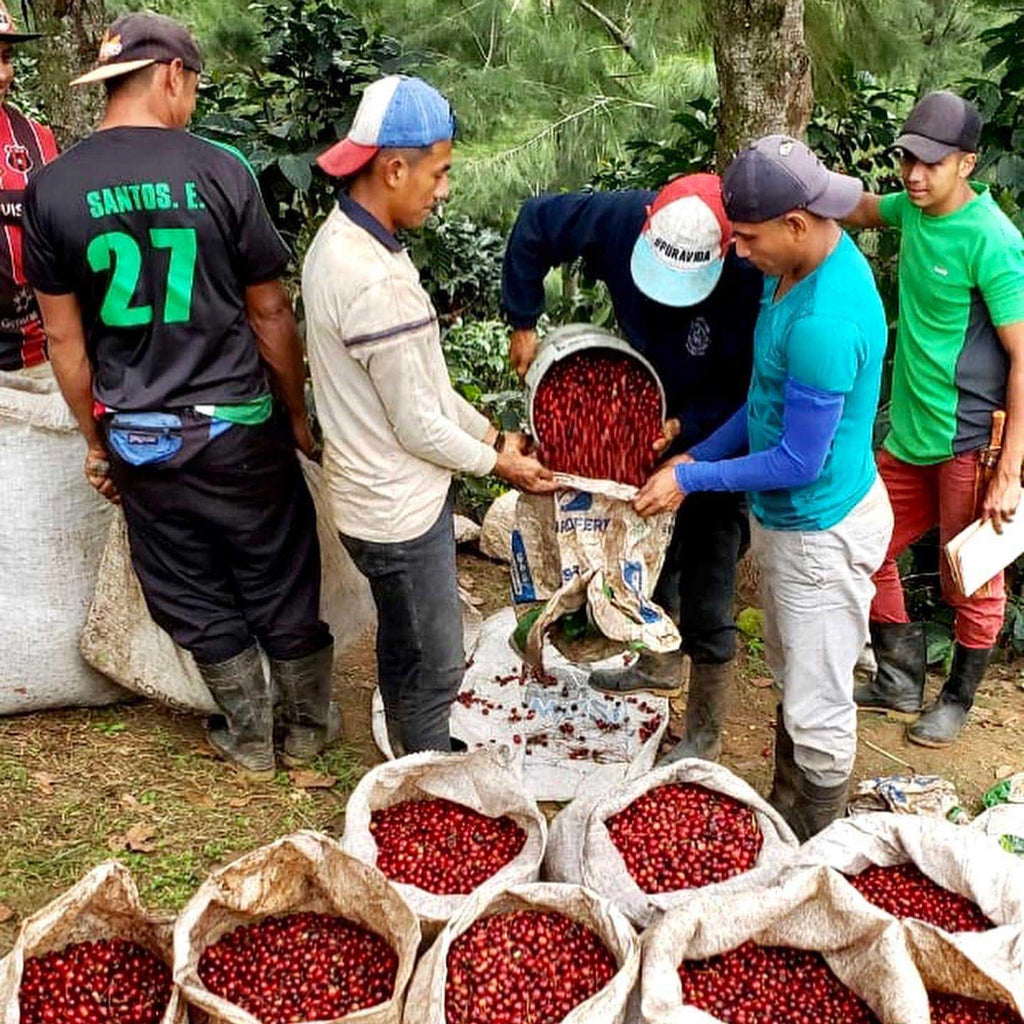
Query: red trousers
{"points": [[922, 497]]}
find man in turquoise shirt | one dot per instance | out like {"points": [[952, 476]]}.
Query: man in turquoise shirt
{"points": [[802, 447]]}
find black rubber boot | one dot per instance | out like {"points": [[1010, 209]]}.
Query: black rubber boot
{"points": [[243, 732], [304, 692], [945, 717], [898, 685], [707, 699], [816, 807], [656, 673], [786, 781]]}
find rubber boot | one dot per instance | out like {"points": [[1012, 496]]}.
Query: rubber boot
{"points": [[816, 807], [945, 717], [786, 780], [707, 699], [655, 673], [304, 691], [243, 732], [898, 684]]}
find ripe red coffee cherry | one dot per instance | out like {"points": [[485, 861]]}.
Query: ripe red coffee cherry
{"points": [[903, 890], [301, 967], [949, 1009], [597, 414], [441, 846], [770, 985], [681, 836], [112, 981], [524, 967]]}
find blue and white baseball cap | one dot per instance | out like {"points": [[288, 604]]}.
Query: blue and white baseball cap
{"points": [[396, 112]]}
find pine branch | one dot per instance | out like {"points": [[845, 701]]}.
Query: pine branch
{"points": [[623, 38]]}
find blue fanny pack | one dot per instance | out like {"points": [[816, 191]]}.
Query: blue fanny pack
{"points": [[145, 438]]}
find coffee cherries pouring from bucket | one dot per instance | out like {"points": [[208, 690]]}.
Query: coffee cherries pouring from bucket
{"points": [[597, 414]]}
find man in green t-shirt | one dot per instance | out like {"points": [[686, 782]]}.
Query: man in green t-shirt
{"points": [[959, 357]]}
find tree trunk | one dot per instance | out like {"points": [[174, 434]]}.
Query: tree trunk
{"points": [[73, 30], [764, 71]]}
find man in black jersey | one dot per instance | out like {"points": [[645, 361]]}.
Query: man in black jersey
{"points": [[158, 270]]}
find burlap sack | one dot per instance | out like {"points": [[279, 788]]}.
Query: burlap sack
{"points": [[425, 1004], [955, 857], [302, 872], [480, 781], [585, 544], [581, 851], [808, 911], [54, 529], [125, 644], [103, 905]]}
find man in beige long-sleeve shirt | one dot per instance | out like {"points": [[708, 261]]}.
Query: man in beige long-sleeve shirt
{"points": [[395, 430]]}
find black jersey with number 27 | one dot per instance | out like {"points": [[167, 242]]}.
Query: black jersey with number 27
{"points": [[158, 233]]}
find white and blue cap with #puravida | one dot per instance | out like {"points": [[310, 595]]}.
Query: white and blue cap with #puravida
{"points": [[778, 174], [396, 112]]}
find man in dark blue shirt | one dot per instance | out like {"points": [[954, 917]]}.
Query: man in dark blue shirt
{"points": [[686, 301]]}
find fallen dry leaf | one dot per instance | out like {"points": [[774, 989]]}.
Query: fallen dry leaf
{"points": [[239, 801], [195, 798], [761, 682], [306, 779], [6, 913], [44, 782], [141, 838], [1004, 771]]}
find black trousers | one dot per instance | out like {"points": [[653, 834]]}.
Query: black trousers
{"points": [[420, 655], [697, 585], [225, 546]]}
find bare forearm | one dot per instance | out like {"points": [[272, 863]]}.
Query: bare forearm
{"points": [[1012, 456], [866, 214], [278, 340], [74, 375]]}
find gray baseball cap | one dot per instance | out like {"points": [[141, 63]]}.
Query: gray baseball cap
{"points": [[779, 173], [941, 123]]}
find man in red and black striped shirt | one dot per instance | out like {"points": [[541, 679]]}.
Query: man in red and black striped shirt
{"points": [[25, 145]]}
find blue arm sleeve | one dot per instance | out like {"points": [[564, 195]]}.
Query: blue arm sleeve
{"points": [[731, 438], [809, 421], [550, 231]]}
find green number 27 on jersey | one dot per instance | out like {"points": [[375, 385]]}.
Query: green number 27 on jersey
{"points": [[121, 250]]}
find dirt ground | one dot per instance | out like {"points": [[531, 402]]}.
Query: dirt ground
{"points": [[137, 782]]}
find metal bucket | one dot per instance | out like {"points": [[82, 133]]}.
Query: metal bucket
{"points": [[568, 340]]}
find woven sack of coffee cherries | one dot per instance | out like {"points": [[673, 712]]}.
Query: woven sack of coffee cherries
{"points": [[661, 838], [528, 953], [92, 955], [946, 884], [441, 825], [296, 931], [802, 950]]}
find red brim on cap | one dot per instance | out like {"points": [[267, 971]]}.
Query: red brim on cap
{"points": [[346, 157]]}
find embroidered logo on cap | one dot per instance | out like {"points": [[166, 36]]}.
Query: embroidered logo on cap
{"points": [[110, 47], [6, 21]]}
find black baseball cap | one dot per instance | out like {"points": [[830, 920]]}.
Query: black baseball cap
{"points": [[137, 40], [941, 123], [777, 174]]}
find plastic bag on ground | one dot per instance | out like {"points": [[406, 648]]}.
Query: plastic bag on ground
{"points": [[425, 1004], [54, 530], [807, 911], [905, 794], [568, 732], [122, 640], [302, 872], [103, 905], [580, 849], [958, 859], [480, 781]]}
